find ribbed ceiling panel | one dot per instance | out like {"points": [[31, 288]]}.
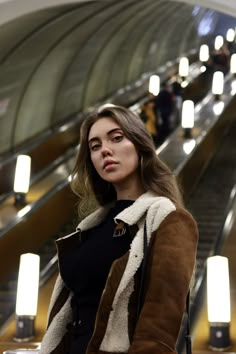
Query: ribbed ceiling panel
{"points": [[61, 60]]}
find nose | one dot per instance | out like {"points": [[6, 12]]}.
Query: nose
{"points": [[106, 151]]}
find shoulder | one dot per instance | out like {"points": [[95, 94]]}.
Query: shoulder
{"points": [[158, 211], [183, 216], [164, 214], [181, 223]]}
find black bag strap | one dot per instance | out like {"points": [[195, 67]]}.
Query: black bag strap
{"points": [[188, 341], [143, 270]]}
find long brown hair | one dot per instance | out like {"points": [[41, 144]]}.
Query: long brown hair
{"points": [[155, 175]]}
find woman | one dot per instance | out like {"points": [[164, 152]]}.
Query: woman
{"points": [[94, 306]]}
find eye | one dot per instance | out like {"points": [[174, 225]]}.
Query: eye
{"points": [[95, 147], [117, 138]]}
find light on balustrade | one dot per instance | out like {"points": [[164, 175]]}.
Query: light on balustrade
{"points": [[233, 65], [22, 179], [184, 68], [233, 72], [204, 53], [203, 68], [188, 146], [21, 351], [218, 302], [184, 83], [230, 35], [233, 88], [154, 85], [187, 120], [27, 297], [218, 84], [219, 41], [218, 107]]}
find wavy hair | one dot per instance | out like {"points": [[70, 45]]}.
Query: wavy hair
{"points": [[155, 175]]}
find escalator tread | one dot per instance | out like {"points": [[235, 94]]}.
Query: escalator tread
{"points": [[208, 203]]}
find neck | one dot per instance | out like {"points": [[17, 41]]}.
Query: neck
{"points": [[129, 192]]}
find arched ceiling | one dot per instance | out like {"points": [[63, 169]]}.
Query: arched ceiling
{"points": [[11, 9], [59, 58]]}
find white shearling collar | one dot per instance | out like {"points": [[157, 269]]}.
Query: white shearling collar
{"points": [[130, 215]]}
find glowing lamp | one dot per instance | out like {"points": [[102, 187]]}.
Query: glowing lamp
{"points": [[230, 35], [187, 120], [218, 302], [183, 67], [154, 85], [233, 88], [188, 146], [204, 53], [22, 178], [218, 107], [184, 83], [218, 84], [21, 351], [203, 68], [233, 64], [27, 296], [219, 41]]}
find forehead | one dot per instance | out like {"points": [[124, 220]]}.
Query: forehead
{"points": [[102, 127]]}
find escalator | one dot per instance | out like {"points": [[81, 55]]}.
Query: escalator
{"points": [[46, 250], [211, 204]]}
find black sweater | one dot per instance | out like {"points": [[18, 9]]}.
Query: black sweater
{"points": [[85, 270]]}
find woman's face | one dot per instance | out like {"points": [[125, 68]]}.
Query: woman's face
{"points": [[113, 155]]}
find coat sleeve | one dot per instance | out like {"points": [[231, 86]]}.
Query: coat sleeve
{"points": [[169, 271]]}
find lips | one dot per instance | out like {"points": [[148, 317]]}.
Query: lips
{"points": [[109, 163]]}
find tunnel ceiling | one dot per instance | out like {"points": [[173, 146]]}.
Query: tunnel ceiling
{"points": [[61, 60]]}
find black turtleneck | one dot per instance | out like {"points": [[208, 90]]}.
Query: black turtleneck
{"points": [[85, 270]]}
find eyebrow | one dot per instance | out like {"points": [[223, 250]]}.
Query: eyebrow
{"points": [[108, 133]]}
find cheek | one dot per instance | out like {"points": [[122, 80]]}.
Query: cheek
{"points": [[132, 157], [135, 162], [94, 161], [129, 149]]}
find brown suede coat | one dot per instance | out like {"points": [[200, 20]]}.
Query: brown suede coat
{"points": [[171, 260]]}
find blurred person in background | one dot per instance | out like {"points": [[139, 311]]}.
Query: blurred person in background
{"points": [[164, 107], [149, 118]]}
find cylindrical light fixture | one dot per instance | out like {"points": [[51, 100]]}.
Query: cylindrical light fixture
{"points": [[219, 41], [22, 179], [21, 351], [188, 146], [218, 84], [218, 302], [154, 84], [233, 64], [230, 35], [27, 296], [183, 67], [218, 107], [233, 88], [204, 53], [187, 120]]}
